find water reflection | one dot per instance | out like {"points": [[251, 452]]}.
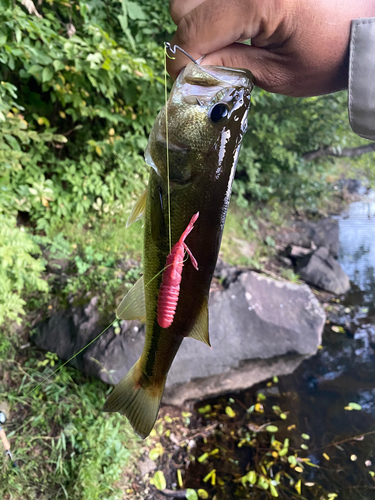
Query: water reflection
{"points": [[344, 370], [357, 246]]}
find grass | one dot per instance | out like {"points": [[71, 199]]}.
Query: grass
{"points": [[107, 235], [64, 444], [240, 242]]}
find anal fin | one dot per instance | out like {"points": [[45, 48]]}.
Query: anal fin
{"points": [[200, 328], [133, 305]]}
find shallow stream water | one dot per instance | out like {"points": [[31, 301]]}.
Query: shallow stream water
{"points": [[343, 371]]}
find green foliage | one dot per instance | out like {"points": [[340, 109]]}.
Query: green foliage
{"points": [[80, 86], [20, 271], [281, 129], [87, 98]]}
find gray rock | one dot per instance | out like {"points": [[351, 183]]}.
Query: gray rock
{"points": [[320, 269], [259, 327], [308, 234], [327, 235], [68, 331]]}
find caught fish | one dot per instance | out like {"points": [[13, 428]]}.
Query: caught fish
{"points": [[207, 118]]}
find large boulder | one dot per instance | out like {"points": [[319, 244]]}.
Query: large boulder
{"points": [[320, 269], [259, 327]]}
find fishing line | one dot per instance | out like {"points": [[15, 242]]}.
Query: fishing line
{"points": [[167, 142], [70, 359]]}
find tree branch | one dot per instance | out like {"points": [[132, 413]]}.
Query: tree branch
{"points": [[330, 151]]}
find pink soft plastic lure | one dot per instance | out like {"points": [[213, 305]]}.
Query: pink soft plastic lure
{"points": [[170, 287]]}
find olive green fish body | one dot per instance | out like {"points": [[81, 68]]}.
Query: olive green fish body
{"points": [[207, 117]]}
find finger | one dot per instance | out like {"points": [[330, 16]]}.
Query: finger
{"points": [[179, 8], [199, 37], [270, 71], [215, 24]]}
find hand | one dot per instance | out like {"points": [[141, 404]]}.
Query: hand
{"points": [[298, 47]]}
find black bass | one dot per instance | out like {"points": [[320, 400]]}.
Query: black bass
{"points": [[207, 118]]}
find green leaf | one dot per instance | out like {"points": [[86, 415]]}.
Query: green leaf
{"points": [[203, 457], [191, 494], [123, 22], [47, 74], [355, 406], [305, 436], [135, 11], [273, 491], [159, 480], [298, 486], [35, 69], [204, 409], [203, 494], [18, 34], [230, 412], [252, 477], [58, 65], [262, 483], [155, 453], [272, 428]]}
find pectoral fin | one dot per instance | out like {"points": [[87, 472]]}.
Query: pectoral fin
{"points": [[133, 305], [200, 328], [138, 210]]}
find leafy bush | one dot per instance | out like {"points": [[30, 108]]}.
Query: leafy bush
{"points": [[75, 136], [80, 86], [281, 129], [19, 271]]}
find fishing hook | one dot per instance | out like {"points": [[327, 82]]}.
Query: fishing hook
{"points": [[173, 51]]}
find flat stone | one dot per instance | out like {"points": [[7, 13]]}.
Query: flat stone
{"points": [[145, 466]]}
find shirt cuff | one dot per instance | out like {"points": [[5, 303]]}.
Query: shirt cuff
{"points": [[362, 78]]}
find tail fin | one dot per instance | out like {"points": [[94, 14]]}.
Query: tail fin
{"points": [[140, 405]]}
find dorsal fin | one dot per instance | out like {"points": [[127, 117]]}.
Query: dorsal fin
{"points": [[133, 305]]}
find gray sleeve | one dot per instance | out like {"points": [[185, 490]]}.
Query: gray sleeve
{"points": [[362, 78]]}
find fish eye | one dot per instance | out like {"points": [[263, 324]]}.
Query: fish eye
{"points": [[219, 112]]}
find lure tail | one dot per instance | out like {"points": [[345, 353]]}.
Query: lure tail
{"points": [[140, 405]]}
